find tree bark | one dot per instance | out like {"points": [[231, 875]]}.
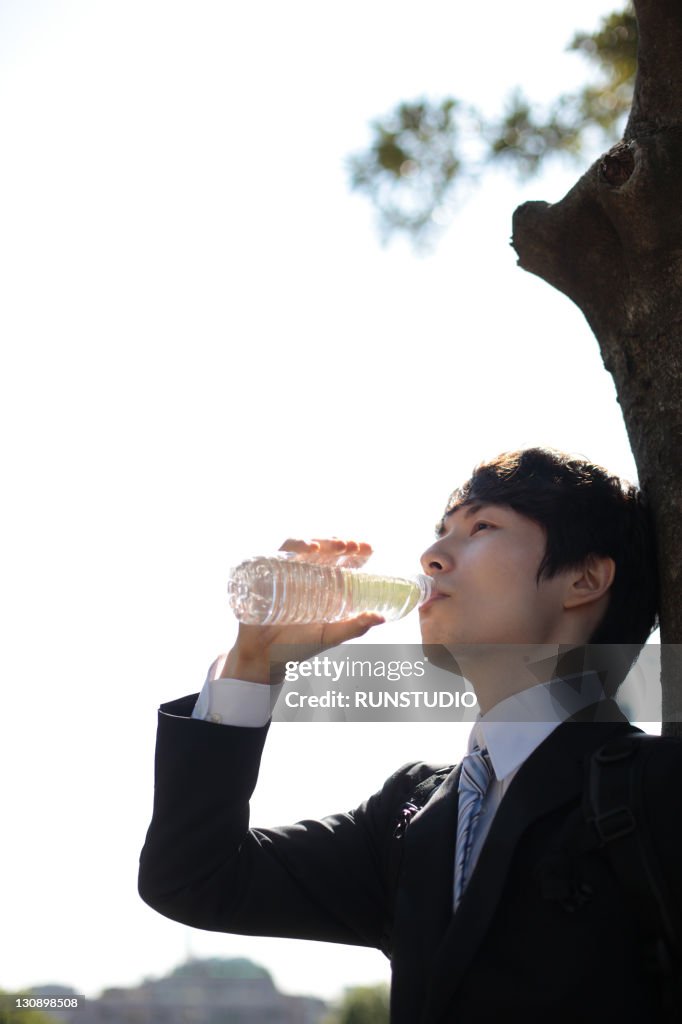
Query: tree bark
{"points": [[613, 245]]}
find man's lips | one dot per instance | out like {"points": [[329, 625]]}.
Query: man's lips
{"points": [[435, 596]]}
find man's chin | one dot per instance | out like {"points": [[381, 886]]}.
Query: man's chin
{"points": [[471, 651], [434, 634]]}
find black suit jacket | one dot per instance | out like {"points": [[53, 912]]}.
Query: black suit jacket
{"points": [[542, 934]]}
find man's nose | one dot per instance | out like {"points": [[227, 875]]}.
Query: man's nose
{"points": [[435, 560]]}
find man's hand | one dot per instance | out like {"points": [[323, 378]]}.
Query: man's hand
{"points": [[251, 656]]}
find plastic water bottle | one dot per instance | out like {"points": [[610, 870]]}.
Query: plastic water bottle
{"points": [[283, 589]]}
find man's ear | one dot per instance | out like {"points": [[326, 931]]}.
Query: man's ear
{"points": [[591, 581]]}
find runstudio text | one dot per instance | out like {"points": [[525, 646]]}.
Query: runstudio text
{"points": [[380, 699]]}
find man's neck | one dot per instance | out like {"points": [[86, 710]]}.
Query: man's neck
{"points": [[500, 671]]}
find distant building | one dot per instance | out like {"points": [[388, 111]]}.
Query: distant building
{"points": [[212, 991]]}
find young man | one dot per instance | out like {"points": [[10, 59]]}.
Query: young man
{"points": [[491, 903]]}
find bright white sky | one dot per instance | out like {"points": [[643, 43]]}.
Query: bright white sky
{"points": [[207, 350]]}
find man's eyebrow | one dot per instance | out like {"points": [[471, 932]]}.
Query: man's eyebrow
{"points": [[469, 511], [472, 510]]}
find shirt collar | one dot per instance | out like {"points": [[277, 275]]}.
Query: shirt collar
{"points": [[515, 727]]}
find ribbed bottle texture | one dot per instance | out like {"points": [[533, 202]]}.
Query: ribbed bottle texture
{"points": [[270, 590]]}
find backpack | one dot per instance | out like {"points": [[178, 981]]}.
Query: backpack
{"points": [[611, 811]]}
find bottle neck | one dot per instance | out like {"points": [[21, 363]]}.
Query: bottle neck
{"points": [[425, 584]]}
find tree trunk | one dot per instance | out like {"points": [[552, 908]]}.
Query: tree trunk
{"points": [[613, 245]]}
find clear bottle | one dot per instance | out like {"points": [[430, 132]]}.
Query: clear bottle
{"points": [[283, 589]]}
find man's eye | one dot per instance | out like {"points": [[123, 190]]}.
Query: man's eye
{"points": [[481, 526]]}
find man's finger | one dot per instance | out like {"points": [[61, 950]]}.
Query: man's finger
{"points": [[304, 549], [339, 632], [357, 559], [348, 553]]}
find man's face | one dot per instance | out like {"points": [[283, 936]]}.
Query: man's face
{"points": [[485, 566]]}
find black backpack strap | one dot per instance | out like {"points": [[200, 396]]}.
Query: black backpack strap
{"points": [[614, 811]]}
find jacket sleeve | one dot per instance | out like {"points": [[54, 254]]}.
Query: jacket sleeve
{"points": [[203, 866]]}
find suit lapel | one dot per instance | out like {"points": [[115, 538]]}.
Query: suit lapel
{"points": [[424, 898], [551, 776], [428, 865]]}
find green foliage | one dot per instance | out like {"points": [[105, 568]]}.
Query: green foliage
{"points": [[411, 164], [363, 1005], [10, 1014], [424, 151], [613, 47], [524, 138]]}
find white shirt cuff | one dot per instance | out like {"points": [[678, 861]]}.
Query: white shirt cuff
{"points": [[235, 701]]}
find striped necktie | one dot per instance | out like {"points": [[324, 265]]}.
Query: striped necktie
{"points": [[474, 780]]}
